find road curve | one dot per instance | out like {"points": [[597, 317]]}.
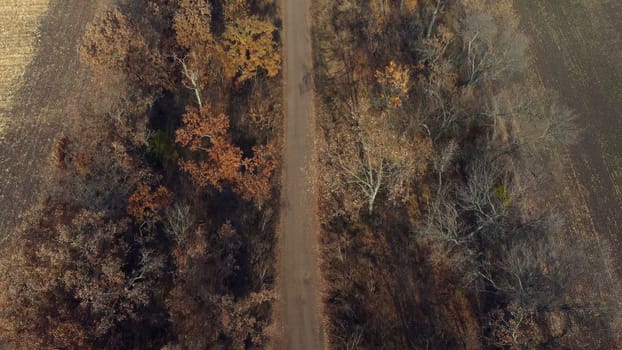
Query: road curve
{"points": [[300, 302]]}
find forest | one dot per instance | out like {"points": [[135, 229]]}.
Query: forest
{"points": [[438, 153], [157, 230], [438, 150]]}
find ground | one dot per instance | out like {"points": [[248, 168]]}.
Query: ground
{"points": [[47, 99], [300, 300], [19, 21], [578, 53]]}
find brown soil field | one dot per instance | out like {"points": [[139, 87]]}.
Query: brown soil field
{"points": [[19, 21], [46, 94], [578, 52]]}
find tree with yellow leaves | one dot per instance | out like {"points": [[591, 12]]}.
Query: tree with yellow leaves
{"points": [[250, 48], [393, 81]]}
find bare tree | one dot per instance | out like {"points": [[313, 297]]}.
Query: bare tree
{"points": [[477, 195], [373, 157], [494, 45], [191, 79], [442, 160], [439, 6], [178, 221], [547, 126]]}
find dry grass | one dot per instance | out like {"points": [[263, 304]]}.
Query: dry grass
{"points": [[18, 32]]}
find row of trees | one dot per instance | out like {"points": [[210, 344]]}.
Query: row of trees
{"points": [[435, 148], [158, 229]]}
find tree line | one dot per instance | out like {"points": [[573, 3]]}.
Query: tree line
{"points": [[436, 149], [157, 230]]}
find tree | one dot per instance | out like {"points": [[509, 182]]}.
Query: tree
{"points": [[256, 173], [437, 8], [478, 197], [250, 48], [546, 126], [393, 81], [202, 316], [493, 43], [192, 24], [112, 44], [514, 328], [179, 221], [374, 157], [144, 203], [70, 283], [221, 163], [109, 42]]}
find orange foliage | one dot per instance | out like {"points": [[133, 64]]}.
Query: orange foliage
{"points": [[143, 202], [200, 126], [207, 132], [107, 42], [257, 171], [393, 81], [222, 162]]}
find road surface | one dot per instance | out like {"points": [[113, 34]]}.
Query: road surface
{"points": [[300, 302]]}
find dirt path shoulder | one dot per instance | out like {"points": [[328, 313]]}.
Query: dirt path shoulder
{"points": [[54, 85], [298, 243]]}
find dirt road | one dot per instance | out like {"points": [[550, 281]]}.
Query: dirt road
{"points": [[578, 51], [54, 86], [298, 244]]}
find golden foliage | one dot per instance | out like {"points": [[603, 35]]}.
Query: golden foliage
{"points": [[393, 81], [250, 47], [236, 9], [144, 203]]}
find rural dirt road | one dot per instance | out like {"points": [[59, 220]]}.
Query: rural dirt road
{"points": [[300, 302], [47, 101]]}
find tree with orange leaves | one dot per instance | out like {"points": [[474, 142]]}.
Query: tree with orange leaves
{"points": [[394, 83], [222, 163], [143, 202]]}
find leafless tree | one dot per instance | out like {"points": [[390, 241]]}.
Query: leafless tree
{"points": [[373, 157], [493, 44], [442, 161], [547, 126], [179, 221], [191, 79], [477, 195], [439, 6]]}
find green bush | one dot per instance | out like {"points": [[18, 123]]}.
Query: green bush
{"points": [[502, 194], [162, 146]]}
